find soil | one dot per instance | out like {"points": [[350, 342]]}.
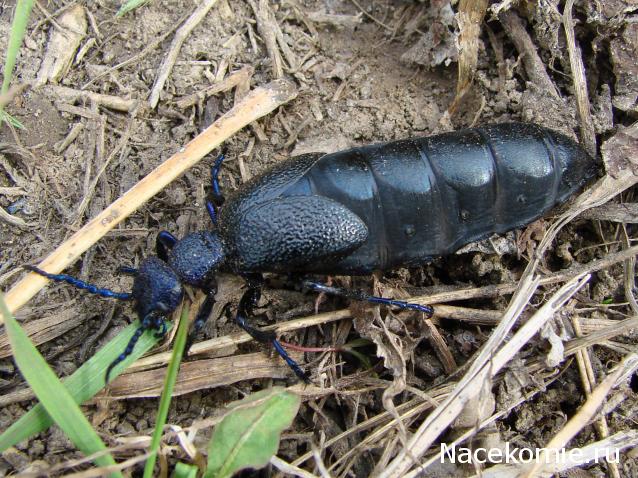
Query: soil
{"points": [[356, 86]]}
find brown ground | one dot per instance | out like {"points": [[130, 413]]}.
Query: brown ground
{"points": [[355, 88]]}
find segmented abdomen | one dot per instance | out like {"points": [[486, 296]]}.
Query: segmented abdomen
{"points": [[427, 197]]}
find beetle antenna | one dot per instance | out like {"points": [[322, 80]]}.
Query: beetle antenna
{"points": [[80, 284]]}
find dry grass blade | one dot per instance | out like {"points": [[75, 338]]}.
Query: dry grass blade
{"points": [[588, 379], [201, 374], [258, 103], [489, 361], [587, 411], [287, 468], [589, 453]]}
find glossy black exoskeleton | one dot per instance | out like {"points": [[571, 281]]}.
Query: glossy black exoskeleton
{"points": [[352, 212]]}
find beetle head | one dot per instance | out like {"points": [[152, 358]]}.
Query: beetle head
{"points": [[156, 288]]}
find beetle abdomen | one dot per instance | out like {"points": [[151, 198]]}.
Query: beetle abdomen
{"points": [[426, 197]]}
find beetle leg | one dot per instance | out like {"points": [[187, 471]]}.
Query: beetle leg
{"points": [[164, 243], [147, 323], [80, 284], [131, 271], [160, 325], [202, 317], [359, 295], [218, 197], [244, 310], [212, 212]]}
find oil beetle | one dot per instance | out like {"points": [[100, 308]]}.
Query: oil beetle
{"points": [[352, 212]]}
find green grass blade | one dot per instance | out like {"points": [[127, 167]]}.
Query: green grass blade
{"points": [[249, 434], [55, 398], [18, 28], [130, 5], [83, 384], [13, 121], [183, 470], [167, 393]]}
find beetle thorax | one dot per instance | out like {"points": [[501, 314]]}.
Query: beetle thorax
{"points": [[196, 257]]}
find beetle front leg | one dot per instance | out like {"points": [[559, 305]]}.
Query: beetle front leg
{"points": [[360, 295], [202, 316], [164, 243]]}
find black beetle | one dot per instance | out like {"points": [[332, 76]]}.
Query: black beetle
{"points": [[352, 212]]}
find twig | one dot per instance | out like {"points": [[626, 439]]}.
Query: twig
{"points": [[226, 84], [375, 20], [267, 27], [336, 20], [469, 18], [617, 212], [629, 273], [93, 184], [13, 220], [258, 103], [500, 289], [72, 136], [522, 41], [441, 348], [587, 133], [180, 36], [109, 101]]}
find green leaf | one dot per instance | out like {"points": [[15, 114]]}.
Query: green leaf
{"points": [[130, 5], [182, 470], [249, 434], [83, 384], [167, 392], [53, 396]]}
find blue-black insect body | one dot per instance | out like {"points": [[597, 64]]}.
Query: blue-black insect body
{"points": [[352, 212]]}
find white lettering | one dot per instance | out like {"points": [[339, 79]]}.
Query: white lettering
{"points": [[495, 455], [478, 453], [530, 455], [449, 451], [614, 457], [465, 456]]}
